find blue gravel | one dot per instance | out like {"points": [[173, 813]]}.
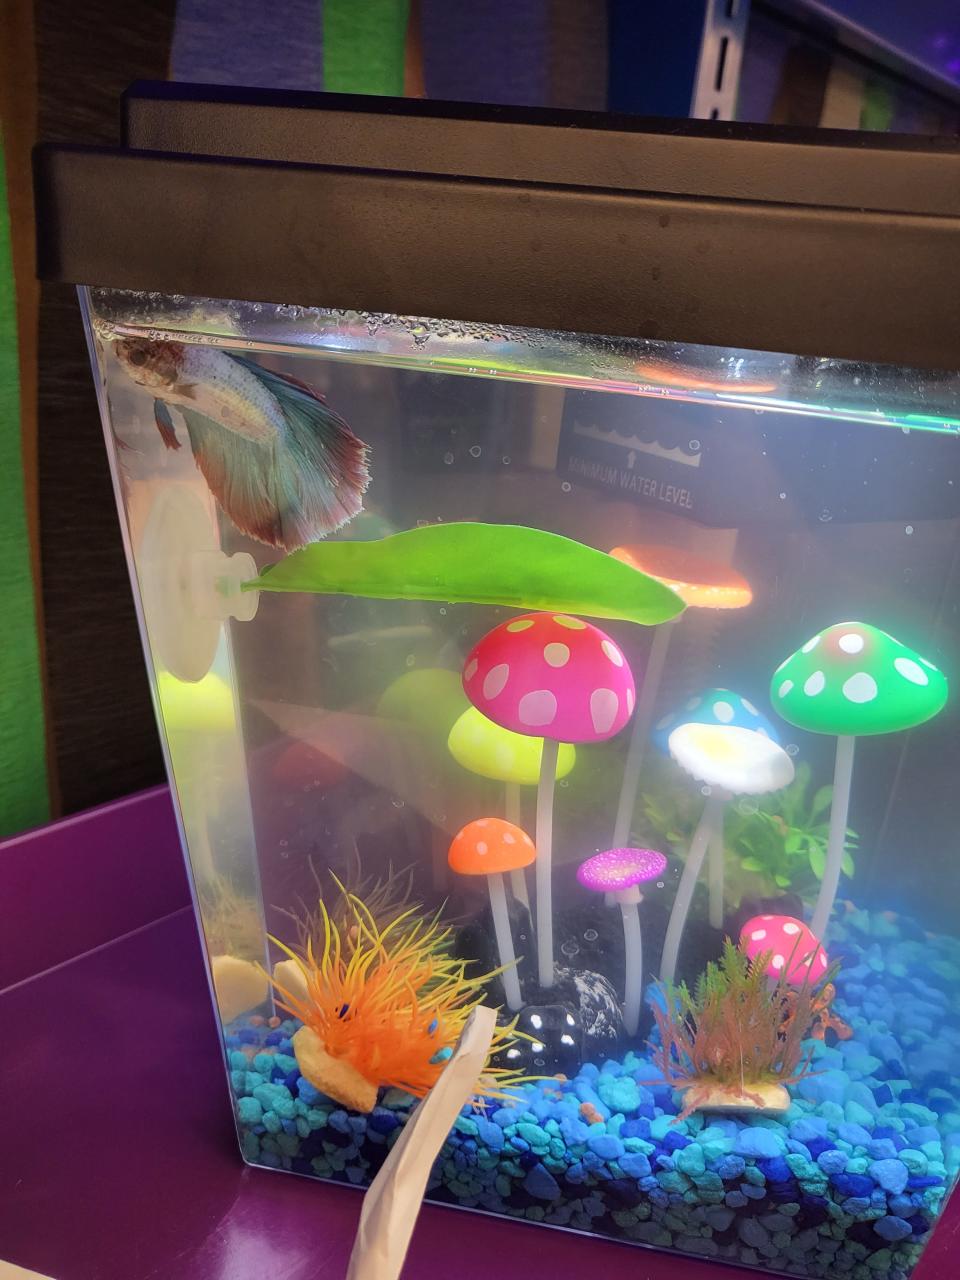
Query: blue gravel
{"points": [[846, 1185]]}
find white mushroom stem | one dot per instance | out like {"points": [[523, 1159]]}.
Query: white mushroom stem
{"points": [[511, 811], [710, 819], [544, 863], [716, 873], [501, 927], [629, 901], [642, 720], [839, 808]]}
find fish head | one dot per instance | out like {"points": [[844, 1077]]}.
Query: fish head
{"points": [[154, 364]]}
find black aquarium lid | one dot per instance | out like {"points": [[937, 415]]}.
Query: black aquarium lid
{"points": [[819, 243]]}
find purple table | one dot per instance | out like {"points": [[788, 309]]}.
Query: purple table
{"points": [[119, 1160]]}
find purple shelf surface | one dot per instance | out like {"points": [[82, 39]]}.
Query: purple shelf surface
{"points": [[120, 1160]]}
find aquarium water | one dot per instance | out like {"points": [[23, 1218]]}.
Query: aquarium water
{"points": [[610, 683]]}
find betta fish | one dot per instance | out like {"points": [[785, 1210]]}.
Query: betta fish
{"points": [[283, 466]]}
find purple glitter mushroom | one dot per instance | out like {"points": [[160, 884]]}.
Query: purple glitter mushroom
{"points": [[618, 873]]}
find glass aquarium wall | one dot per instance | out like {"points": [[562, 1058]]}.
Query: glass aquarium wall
{"points": [[604, 682]]}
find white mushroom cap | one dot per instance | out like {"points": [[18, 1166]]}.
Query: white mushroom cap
{"points": [[736, 760]]}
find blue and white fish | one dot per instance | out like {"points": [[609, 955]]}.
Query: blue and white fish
{"points": [[283, 466]]}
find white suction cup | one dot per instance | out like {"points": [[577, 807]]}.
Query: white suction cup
{"points": [[188, 585]]}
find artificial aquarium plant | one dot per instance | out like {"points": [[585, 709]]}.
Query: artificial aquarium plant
{"points": [[852, 679], [488, 750], [618, 874], [492, 848], [736, 1040], [720, 707], [382, 1007], [500, 564], [729, 761], [700, 583], [558, 678], [780, 838]]}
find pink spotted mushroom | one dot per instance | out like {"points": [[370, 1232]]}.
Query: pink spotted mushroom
{"points": [[618, 874], [795, 952], [558, 678]]}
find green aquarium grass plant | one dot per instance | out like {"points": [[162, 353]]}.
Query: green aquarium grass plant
{"points": [[496, 564], [737, 1039], [780, 838]]}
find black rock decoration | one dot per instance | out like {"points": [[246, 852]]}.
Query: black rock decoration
{"points": [[556, 1044], [593, 997]]}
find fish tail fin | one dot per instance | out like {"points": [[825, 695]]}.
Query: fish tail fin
{"points": [[321, 466], [293, 490], [164, 421]]}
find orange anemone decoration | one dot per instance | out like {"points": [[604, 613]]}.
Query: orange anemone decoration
{"points": [[701, 583]]}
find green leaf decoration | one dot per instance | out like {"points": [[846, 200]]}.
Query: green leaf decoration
{"points": [[782, 882], [847, 865], [751, 864], [818, 861], [497, 564], [821, 801]]}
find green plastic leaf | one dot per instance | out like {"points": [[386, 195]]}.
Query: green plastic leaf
{"points": [[818, 862], [793, 842], [847, 864], [782, 881], [821, 801], [751, 864], [497, 564]]}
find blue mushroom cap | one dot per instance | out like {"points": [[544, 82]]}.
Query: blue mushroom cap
{"points": [[715, 706]]}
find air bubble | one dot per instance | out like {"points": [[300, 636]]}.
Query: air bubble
{"points": [[783, 495], [694, 446], [506, 461], [566, 486], [748, 807], [410, 659], [590, 935], [448, 459], [792, 749], [570, 949], [397, 803], [825, 516], [443, 612], [908, 530], [706, 791], [475, 451]]}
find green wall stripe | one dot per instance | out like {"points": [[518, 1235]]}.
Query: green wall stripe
{"points": [[24, 795], [363, 46]]}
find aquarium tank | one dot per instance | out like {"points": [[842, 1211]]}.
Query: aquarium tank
{"points": [[545, 534]]}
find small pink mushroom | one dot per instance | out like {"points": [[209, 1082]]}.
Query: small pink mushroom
{"points": [[550, 676], [795, 952]]}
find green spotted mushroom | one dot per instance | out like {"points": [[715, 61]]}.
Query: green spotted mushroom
{"points": [[488, 750], [849, 680]]}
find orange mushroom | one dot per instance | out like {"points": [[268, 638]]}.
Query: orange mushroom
{"points": [[701, 583], [489, 847]]}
